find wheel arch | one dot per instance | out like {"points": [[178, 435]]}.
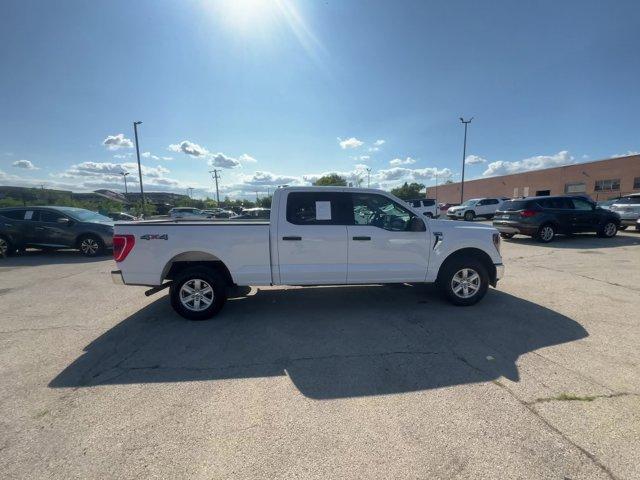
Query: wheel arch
{"points": [[472, 252], [186, 260]]}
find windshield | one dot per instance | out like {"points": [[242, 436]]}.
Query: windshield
{"points": [[83, 215], [469, 203]]}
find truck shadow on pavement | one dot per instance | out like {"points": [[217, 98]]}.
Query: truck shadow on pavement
{"points": [[332, 342], [33, 258], [581, 241]]}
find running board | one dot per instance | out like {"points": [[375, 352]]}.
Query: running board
{"points": [[157, 289]]}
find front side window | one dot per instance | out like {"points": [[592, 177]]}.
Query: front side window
{"points": [[580, 204], [380, 211], [50, 217], [318, 208]]}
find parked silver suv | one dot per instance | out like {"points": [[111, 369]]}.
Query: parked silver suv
{"points": [[628, 207]]}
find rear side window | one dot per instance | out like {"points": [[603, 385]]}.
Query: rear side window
{"points": [[513, 205], [319, 208], [13, 214]]}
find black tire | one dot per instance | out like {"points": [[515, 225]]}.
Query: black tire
{"points": [[469, 215], [608, 230], [6, 247], [507, 235], [546, 233], [622, 227], [452, 268], [90, 245], [208, 276]]}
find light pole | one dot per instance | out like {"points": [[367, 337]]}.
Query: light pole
{"points": [[216, 176], [135, 131], [124, 175], [368, 177], [464, 156]]}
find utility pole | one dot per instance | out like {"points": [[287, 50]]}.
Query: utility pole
{"points": [[135, 131], [368, 177], [190, 192], [216, 176], [124, 175], [464, 156]]}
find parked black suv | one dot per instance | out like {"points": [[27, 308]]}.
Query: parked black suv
{"points": [[544, 217], [54, 227]]}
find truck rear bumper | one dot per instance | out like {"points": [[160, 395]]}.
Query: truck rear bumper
{"points": [[116, 277]]}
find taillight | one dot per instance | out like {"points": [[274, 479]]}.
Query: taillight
{"points": [[122, 245], [528, 213]]}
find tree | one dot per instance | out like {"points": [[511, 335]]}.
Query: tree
{"points": [[408, 190], [331, 180]]}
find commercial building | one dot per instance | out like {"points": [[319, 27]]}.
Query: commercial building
{"points": [[600, 179]]}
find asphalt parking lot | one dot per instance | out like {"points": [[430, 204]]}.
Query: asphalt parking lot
{"points": [[540, 380]]}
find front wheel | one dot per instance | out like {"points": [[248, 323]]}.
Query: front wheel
{"points": [[464, 281], [469, 216], [5, 247], [90, 246], [608, 230], [198, 293]]}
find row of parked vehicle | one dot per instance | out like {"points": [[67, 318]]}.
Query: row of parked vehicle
{"points": [[190, 213]]}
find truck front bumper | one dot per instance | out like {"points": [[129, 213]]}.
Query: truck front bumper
{"points": [[499, 271], [116, 277]]}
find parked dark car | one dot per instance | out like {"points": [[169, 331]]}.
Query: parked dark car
{"points": [[50, 228], [544, 217]]}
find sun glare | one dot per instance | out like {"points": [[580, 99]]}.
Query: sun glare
{"points": [[246, 14]]}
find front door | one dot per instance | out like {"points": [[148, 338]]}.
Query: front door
{"points": [[382, 249], [585, 218], [48, 230], [312, 238]]}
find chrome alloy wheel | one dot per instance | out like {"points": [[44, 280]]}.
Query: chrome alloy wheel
{"points": [[547, 233], [610, 229], [196, 295], [465, 283], [89, 246]]}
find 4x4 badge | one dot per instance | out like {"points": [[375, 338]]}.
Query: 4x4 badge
{"points": [[154, 236]]}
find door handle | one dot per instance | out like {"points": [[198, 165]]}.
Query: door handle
{"points": [[362, 238], [291, 238]]}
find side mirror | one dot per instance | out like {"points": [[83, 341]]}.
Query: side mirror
{"points": [[417, 225], [63, 220]]}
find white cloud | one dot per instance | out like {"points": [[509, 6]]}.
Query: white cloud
{"points": [[396, 162], [474, 160], [246, 158], [151, 156], [379, 143], [123, 155], [539, 162], [222, 161], [628, 154], [188, 148], [25, 164], [352, 142], [115, 142]]}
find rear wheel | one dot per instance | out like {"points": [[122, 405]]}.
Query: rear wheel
{"points": [[198, 293], [90, 246], [469, 215], [507, 235], [464, 281], [608, 230], [546, 233], [5, 247]]}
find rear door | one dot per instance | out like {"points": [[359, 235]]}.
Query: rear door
{"points": [[312, 238], [51, 231], [381, 248]]}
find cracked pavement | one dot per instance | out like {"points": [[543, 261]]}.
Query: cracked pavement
{"points": [[540, 380]]}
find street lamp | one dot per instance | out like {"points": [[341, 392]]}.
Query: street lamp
{"points": [[464, 155], [135, 131], [124, 175]]}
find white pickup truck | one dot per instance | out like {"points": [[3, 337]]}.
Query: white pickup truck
{"points": [[315, 236]]}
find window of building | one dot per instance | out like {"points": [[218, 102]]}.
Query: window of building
{"points": [[576, 187], [613, 184], [636, 183]]}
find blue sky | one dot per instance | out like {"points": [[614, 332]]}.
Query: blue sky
{"points": [[275, 92]]}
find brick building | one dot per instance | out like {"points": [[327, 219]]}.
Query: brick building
{"points": [[600, 179]]}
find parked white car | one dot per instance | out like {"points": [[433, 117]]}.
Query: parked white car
{"points": [[476, 207], [188, 213], [315, 236], [628, 207], [425, 206]]}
